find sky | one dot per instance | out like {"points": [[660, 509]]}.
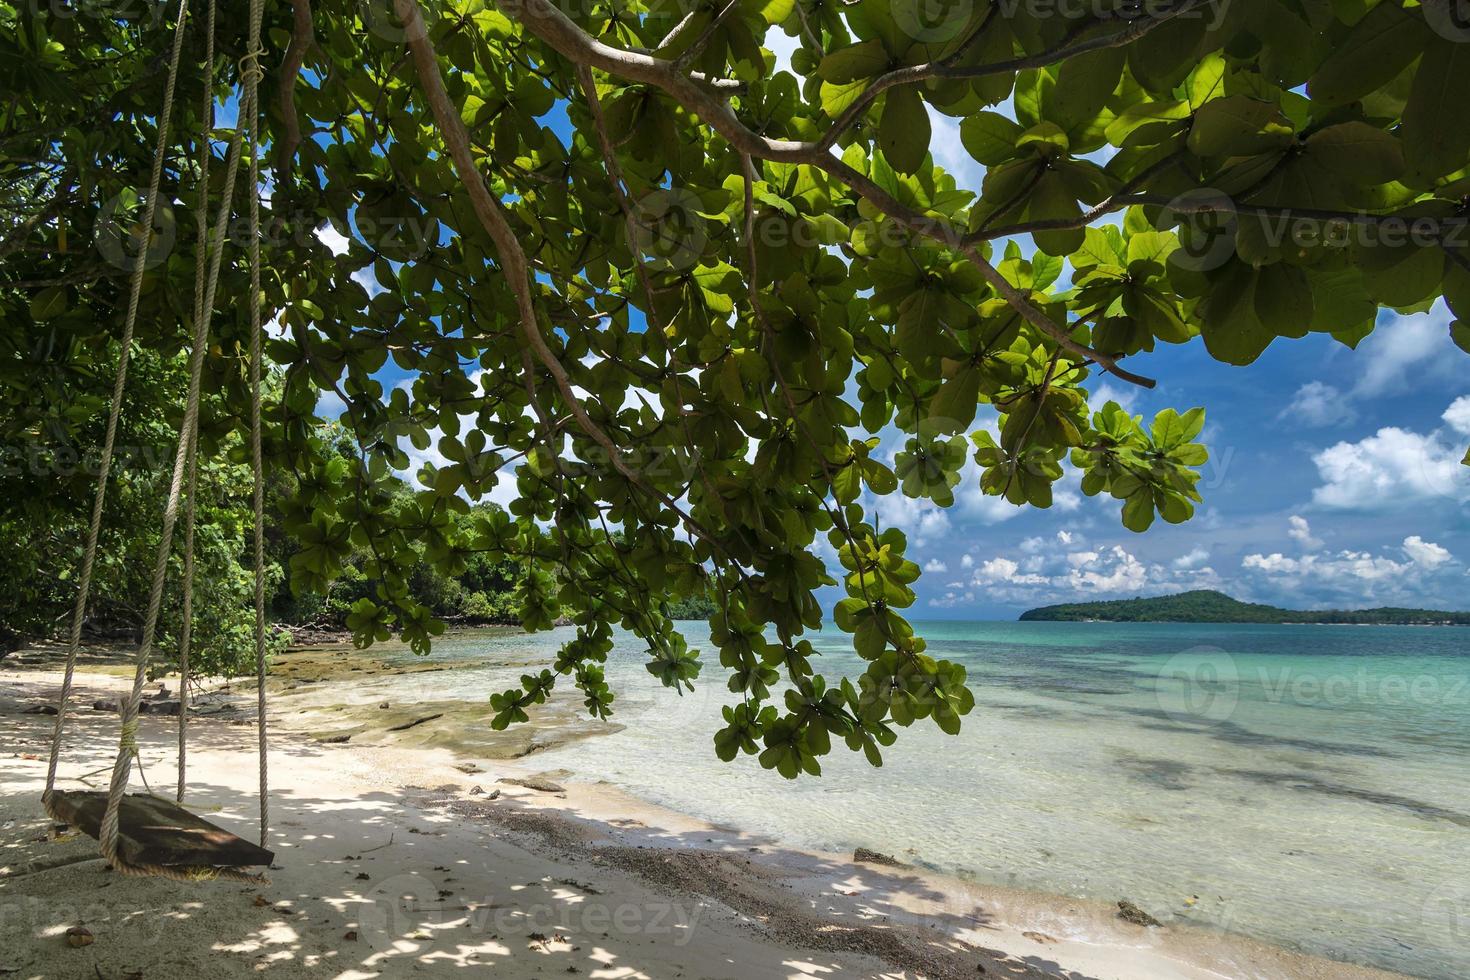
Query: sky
{"points": [[1334, 480]]}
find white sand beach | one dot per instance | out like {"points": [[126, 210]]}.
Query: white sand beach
{"points": [[392, 861]]}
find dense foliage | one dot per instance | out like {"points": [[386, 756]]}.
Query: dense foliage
{"points": [[1209, 606], [679, 294]]}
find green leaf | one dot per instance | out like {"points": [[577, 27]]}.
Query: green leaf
{"points": [[903, 132], [1357, 152], [1238, 126], [989, 137], [1380, 46], [48, 303], [1436, 123]]}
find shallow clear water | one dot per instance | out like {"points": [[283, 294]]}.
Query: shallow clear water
{"points": [[1307, 785]]}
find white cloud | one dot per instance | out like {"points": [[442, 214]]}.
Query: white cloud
{"points": [[949, 152], [922, 521], [1112, 570], [1273, 563], [935, 566], [967, 561], [365, 278], [1425, 553], [1392, 468], [1358, 577], [1400, 354], [782, 45], [1194, 558], [1457, 416], [1127, 398], [333, 239], [330, 406], [1318, 405], [996, 570], [1301, 531]]}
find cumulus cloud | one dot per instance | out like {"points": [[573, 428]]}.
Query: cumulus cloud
{"points": [[1395, 468], [1457, 416], [1056, 574], [1425, 553], [1194, 558], [935, 566], [1318, 405], [922, 521], [1301, 531], [1404, 352], [333, 239], [1357, 576]]}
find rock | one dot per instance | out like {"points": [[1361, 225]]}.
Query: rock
{"points": [[476, 791], [350, 935], [539, 783], [158, 707], [865, 856], [468, 768], [383, 705], [1129, 912], [334, 739], [41, 709], [79, 936], [104, 705]]}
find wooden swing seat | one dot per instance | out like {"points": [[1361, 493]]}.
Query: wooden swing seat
{"points": [[157, 831]]}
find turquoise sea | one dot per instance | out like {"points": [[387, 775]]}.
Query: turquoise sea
{"points": [[1306, 785]]}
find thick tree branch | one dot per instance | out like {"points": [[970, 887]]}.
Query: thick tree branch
{"points": [[946, 68], [302, 38], [575, 44], [512, 257]]}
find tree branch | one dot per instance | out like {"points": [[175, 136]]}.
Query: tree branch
{"points": [[302, 38], [512, 256], [575, 44]]}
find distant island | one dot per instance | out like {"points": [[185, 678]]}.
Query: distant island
{"points": [[1209, 606]]}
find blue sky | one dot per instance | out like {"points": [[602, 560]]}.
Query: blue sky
{"points": [[1334, 481]]}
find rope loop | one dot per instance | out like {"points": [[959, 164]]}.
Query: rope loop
{"points": [[249, 63]]}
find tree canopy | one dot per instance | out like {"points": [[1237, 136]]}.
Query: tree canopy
{"points": [[677, 291]]}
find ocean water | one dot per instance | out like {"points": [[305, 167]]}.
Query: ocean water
{"points": [[1305, 785]]}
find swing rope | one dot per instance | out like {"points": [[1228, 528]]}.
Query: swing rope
{"points": [[201, 221], [185, 465], [89, 552], [251, 74]]}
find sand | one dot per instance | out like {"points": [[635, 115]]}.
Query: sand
{"points": [[391, 861]]}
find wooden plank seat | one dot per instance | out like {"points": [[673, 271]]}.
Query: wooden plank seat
{"points": [[157, 831]]}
